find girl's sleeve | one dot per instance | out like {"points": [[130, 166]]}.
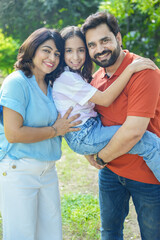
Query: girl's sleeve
{"points": [[74, 87]]}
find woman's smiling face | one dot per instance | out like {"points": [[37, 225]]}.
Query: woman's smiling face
{"points": [[46, 58]]}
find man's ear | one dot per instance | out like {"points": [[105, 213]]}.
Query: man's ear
{"points": [[119, 38]]}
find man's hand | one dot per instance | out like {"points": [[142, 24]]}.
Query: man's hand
{"points": [[91, 160]]}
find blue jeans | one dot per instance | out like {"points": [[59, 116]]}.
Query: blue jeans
{"points": [[114, 195], [93, 136]]}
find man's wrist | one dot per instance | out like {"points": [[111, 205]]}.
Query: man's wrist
{"points": [[99, 160]]}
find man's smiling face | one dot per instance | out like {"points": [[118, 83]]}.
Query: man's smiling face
{"points": [[104, 47]]}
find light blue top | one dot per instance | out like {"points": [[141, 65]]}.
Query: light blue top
{"points": [[23, 95]]}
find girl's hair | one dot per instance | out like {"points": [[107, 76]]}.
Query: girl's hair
{"points": [[71, 31], [28, 49]]}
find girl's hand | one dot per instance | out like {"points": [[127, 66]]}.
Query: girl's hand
{"points": [[66, 124], [141, 63]]}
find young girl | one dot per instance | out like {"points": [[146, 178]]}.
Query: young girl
{"points": [[72, 88]]}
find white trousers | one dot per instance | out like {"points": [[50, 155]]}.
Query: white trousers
{"points": [[30, 200]]}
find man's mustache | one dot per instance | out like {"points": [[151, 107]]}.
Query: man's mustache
{"points": [[102, 53]]}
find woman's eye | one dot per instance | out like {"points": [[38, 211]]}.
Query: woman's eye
{"points": [[57, 54]]}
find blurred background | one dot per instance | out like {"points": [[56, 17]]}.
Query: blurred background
{"points": [[139, 22]]}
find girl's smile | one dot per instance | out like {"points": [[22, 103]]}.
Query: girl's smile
{"points": [[75, 53]]}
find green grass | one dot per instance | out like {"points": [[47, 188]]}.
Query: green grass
{"points": [[78, 182], [80, 214]]}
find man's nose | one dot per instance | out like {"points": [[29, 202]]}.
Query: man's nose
{"points": [[100, 48]]}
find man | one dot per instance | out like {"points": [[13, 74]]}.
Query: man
{"points": [[137, 109]]}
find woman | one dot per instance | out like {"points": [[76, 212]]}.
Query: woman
{"points": [[30, 141]]}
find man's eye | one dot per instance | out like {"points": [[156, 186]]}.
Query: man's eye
{"points": [[91, 45]]}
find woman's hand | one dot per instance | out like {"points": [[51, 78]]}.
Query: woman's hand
{"points": [[65, 124]]}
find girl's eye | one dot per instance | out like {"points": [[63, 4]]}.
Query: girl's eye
{"points": [[81, 50], [68, 50], [46, 50]]}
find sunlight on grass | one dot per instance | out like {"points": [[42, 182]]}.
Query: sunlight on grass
{"points": [[80, 214]]}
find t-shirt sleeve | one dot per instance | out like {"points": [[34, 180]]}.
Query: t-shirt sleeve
{"points": [[143, 93], [74, 87], [12, 95]]}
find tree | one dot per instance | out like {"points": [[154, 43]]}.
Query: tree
{"points": [[8, 53], [19, 18], [139, 22]]}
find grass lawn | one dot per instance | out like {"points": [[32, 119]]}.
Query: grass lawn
{"points": [[78, 182], [79, 196]]}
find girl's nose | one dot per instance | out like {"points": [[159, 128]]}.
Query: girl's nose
{"points": [[75, 56]]}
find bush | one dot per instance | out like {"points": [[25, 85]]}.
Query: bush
{"points": [[8, 53]]}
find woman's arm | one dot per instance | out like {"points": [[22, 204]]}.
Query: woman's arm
{"points": [[15, 131], [110, 94]]}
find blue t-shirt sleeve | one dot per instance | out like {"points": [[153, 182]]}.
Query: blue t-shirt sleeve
{"points": [[13, 95]]}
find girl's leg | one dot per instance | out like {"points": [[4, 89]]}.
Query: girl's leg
{"points": [[149, 148], [49, 226], [93, 136]]}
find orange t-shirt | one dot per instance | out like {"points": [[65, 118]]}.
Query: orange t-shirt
{"points": [[141, 97]]}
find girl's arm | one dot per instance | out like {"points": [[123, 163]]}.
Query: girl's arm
{"points": [[15, 132], [110, 94]]}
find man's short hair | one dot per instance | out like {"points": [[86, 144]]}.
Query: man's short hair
{"points": [[99, 18]]}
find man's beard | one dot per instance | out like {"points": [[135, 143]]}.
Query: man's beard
{"points": [[106, 63]]}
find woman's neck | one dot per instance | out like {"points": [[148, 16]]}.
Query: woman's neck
{"points": [[40, 79]]}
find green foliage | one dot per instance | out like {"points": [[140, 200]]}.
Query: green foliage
{"points": [[80, 214], [139, 22], [8, 53], [19, 18]]}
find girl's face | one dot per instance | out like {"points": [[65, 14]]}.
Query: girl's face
{"points": [[46, 58], [75, 53]]}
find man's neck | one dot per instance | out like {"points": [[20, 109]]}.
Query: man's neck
{"points": [[112, 69]]}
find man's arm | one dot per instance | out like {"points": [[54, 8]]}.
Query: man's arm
{"points": [[125, 138]]}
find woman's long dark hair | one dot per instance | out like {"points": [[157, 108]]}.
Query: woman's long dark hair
{"points": [[28, 49], [71, 31]]}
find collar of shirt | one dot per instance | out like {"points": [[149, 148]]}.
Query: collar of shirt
{"points": [[127, 60]]}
